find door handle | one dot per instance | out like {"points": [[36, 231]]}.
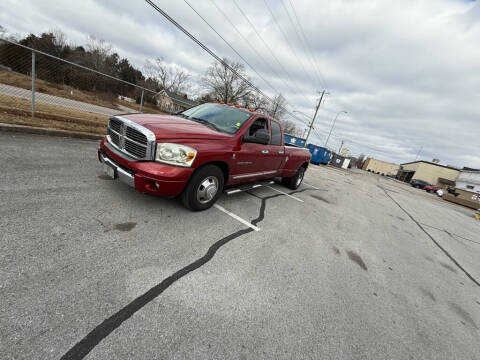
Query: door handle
{"points": [[264, 151]]}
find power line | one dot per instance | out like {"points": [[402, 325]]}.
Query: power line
{"points": [[269, 49], [250, 45], [301, 42], [231, 47], [215, 56], [285, 36], [308, 44]]}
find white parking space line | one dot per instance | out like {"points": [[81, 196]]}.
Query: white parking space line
{"points": [[284, 193], [236, 217], [304, 183]]}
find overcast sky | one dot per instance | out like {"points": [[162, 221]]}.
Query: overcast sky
{"points": [[407, 72]]}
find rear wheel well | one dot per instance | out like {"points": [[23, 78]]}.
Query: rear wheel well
{"points": [[305, 165]]}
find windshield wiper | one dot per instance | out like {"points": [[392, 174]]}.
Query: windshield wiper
{"points": [[206, 123]]}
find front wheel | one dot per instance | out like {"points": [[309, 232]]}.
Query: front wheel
{"points": [[203, 189], [296, 180]]}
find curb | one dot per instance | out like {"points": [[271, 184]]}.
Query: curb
{"points": [[46, 131]]}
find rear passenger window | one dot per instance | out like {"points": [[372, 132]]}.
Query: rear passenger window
{"points": [[276, 134]]}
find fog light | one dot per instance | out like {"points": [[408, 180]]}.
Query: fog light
{"points": [[151, 185]]}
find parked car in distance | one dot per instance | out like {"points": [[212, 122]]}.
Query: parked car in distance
{"points": [[198, 152], [419, 184], [432, 188]]}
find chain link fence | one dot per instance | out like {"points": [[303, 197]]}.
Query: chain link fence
{"points": [[43, 86]]}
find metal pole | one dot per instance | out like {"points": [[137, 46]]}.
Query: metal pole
{"points": [[33, 83], [341, 146], [141, 102], [334, 120], [416, 157], [304, 131], [314, 116]]}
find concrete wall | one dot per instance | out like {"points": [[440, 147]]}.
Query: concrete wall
{"points": [[465, 198], [431, 172], [381, 167]]}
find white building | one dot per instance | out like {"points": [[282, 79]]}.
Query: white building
{"points": [[469, 180]]}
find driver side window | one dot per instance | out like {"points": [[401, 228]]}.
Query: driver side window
{"points": [[257, 125]]}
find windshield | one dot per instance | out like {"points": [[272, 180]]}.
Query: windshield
{"points": [[223, 118]]}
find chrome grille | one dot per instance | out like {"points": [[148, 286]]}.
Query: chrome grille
{"points": [[136, 136], [138, 150], [131, 138], [114, 136], [115, 125]]}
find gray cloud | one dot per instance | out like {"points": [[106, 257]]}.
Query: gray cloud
{"points": [[408, 72]]}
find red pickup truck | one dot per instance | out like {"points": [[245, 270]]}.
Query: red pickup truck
{"points": [[199, 152]]}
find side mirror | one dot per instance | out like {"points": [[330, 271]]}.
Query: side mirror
{"points": [[260, 136]]}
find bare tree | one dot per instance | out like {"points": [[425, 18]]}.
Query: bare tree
{"points": [[59, 38], [255, 101], [99, 51], [224, 84], [169, 76], [276, 108], [289, 127], [360, 161]]}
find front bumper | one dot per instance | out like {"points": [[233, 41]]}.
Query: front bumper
{"points": [[145, 176], [123, 175]]}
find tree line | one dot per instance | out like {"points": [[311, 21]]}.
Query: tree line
{"points": [[218, 81]]}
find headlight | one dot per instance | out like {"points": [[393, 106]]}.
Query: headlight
{"points": [[175, 154]]}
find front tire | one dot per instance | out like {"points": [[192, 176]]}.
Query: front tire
{"points": [[203, 189], [296, 180]]}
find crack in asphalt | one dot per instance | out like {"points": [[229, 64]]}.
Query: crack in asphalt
{"points": [[431, 238], [100, 332], [453, 235]]}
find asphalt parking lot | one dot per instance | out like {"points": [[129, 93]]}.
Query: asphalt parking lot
{"points": [[352, 266]]}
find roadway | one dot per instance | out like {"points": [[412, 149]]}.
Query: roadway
{"points": [[354, 266]]}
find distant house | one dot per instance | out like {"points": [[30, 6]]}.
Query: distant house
{"points": [[171, 102]]}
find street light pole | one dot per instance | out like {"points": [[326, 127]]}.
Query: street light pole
{"points": [[334, 120]]}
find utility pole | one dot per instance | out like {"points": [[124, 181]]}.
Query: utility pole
{"points": [[314, 116], [341, 146], [418, 153]]}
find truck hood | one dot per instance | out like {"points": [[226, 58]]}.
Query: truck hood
{"points": [[175, 127]]}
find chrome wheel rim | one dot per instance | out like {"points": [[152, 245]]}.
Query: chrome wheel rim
{"points": [[207, 189], [300, 178]]}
